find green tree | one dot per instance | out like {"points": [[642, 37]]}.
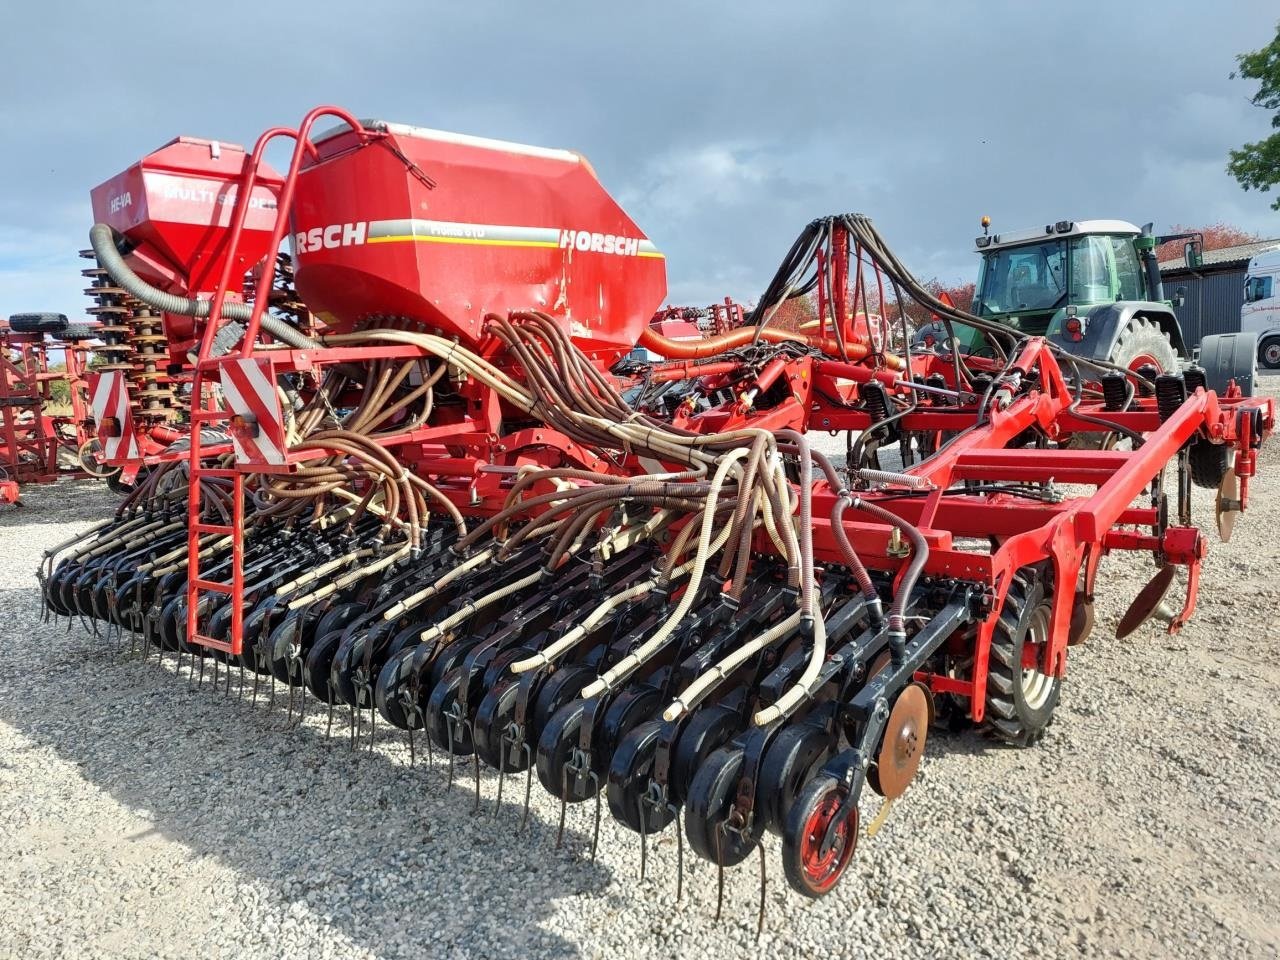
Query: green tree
{"points": [[1257, 165]]}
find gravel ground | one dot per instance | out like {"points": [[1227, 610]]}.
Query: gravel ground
{"points": [[141, 818]]}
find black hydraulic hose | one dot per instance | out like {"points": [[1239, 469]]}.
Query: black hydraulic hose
{"points": [[919, 554], [103, 241]]}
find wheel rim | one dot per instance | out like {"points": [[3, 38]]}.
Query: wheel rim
{"points": [[821, 871], [1142, 360], [1037, 686], [1271, 353]]}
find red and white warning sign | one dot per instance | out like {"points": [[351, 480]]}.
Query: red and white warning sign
{"points": [[109, 398], [257, 422]]}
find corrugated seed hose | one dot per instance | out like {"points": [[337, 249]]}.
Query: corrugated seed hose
{"points": [[103, 241]]}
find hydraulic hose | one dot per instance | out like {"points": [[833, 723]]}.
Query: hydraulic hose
{"points": [[103, 241]]}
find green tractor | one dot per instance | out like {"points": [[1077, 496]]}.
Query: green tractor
{"points": [[1093, 287]]}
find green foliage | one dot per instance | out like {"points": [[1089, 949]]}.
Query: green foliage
{"points": [[1257, 165]]}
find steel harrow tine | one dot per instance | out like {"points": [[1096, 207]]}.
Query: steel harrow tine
{"points": [[644, 837], [763, 885], [564, 790], [476, 808], [502, 773], [675, 811], [448, 728], [595, 834], [720, 834], [528, 783]]}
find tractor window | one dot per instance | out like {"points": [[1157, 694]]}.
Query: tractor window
{"points": [[1090, 270], [1128, 272], [1022, 278], [1257, 288]]}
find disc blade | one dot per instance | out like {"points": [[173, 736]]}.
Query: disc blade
{"points": [[1226, 507], [1146, 602]]}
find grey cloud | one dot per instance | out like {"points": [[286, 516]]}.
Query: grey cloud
{"points": [[722, 127]]}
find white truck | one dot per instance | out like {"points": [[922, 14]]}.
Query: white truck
{"points": [[1261, 311]]}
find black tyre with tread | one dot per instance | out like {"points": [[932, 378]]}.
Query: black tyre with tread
{"points": [[1020, 702]]}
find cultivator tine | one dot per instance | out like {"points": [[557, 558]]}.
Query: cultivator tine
{"points": [[257, 678], [239, 679], [411, 751], [502, 774], [328, 727]]}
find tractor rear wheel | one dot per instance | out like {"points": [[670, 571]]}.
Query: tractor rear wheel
{"points": [[1142, 343], [1020, 696]]}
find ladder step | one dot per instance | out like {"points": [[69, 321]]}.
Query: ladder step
{"points": [[213, 528], [203, 641], [224, 473], [208, 415], [213, 587]]}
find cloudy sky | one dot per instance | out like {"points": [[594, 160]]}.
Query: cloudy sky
{"points": [[721, 127]]}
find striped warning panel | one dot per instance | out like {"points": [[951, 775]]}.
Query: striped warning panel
{"points": [[109, 398], [251, 394]]}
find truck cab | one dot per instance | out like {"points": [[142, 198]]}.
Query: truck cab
{"points": [[1260, 313]]}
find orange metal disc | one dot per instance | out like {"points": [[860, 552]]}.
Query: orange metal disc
{"points": [[904, 739]]}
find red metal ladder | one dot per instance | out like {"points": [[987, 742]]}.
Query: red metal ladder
{"points": [[204, 411]]}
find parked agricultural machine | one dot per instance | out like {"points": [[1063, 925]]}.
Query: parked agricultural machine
{"points": [[39, 442], [438, 511]]}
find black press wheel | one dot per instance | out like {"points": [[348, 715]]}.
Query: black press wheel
{"points": [[629, 774], [707, 808], [1021, 697], [790, 761], [811, 870]]}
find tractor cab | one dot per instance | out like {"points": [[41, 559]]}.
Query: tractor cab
{"points": [[1035, 279], [1090, 286]]}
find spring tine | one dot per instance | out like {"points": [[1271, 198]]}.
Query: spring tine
{"points": [[200, 681], [288, 716], [355, 728], [215, 672], [271, 700], [177, 666], [373, 720], [226, 691], [412, 758], [595, 834], [763, 884], [644, 839], [257, 678], [502, 772], [564, 805], [448, 727], [239, 683], [528, 783], [679, 852], [475, 809], [719, 869], [302, 697]]}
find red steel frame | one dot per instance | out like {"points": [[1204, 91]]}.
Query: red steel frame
{"points": [[1070, 536], [29, 450]]}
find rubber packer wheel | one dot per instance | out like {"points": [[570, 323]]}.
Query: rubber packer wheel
{"points": [[1020, 701], [810, 872], [1209, 462]]}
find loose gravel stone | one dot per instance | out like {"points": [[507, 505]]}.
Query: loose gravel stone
{"points": [[142, 818]]}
